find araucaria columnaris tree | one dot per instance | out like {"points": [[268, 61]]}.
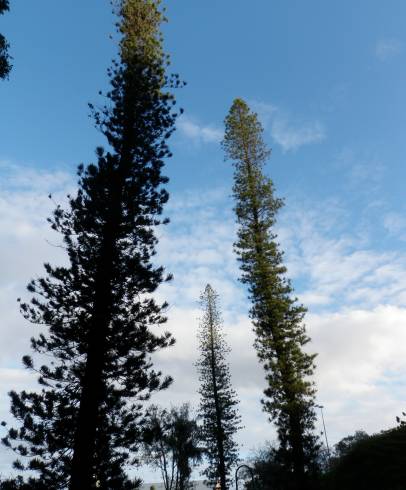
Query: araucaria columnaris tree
{"points": [[277, 317], [218, 401], [5, 66], [99, 321]]}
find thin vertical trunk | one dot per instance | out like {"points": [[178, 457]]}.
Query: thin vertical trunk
{"points": [[83, 461], [219, 431], [167, 484], [93, 386], [92, 391], [91, 396]]}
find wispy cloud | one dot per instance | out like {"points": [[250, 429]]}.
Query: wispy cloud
{"points": [[338, 268], [361, 364], [199, 133], [290, 132], [363, 172], [25, 242], [386, 49], [355, 294], [395, 224], [356, 319], [291, 136]]}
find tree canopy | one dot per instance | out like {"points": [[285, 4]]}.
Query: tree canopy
{"points": [[370, 462], [218, 409], [5, 59], [277, 316], [99, 321], [172, 444]]}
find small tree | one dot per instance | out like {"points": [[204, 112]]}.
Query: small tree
{"points": [[269, 473], [218, 401], [278, 318], [5, 65], [171, 444]]}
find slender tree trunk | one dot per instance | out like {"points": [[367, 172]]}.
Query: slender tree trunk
{"points": [[92, 394], [297, 452], [83, 460], [220, 437], [172, 472], [167, 484]]}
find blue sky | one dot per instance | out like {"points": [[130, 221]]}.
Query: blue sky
{"points": [[328, 82]]}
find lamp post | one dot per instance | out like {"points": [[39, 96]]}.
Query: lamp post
{"points": [[325, 432], [251, 473]]}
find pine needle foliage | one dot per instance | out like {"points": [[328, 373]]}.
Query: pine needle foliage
{"points": [[98, 319], [276, 314], [218, 401], [5, 59]]}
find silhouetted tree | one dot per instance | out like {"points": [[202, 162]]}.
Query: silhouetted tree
{"points": [[346, 444], [5, 65], [97, 313], [18, 483], [369, 462], [171, 444], [277, 318], [218, 401], [271, 472]]}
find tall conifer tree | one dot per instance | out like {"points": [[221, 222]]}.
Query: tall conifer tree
{"points": [[218, 401], [277, 317], [97, 313], [5, 65]]}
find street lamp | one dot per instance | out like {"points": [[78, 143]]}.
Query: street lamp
{"points": [[324, 427], [251, 473]]}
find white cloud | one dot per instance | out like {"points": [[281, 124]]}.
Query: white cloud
{"points": [[356, 318], [26, 241], [16, 379], [388, 48], [291, 136], [289, 132], [335, 266], [395, 224], [361, 367], [363, 171], [199, 133], [355, 294]]}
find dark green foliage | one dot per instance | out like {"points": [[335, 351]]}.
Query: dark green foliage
{"points": [[97, 315], [270, 471], [171, 444], [401, 420], [374, 462], [5, 65], [218, 401], [343, 447], [277, 317], [19, 484]]}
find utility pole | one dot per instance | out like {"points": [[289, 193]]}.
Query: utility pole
{"points": [[325, 432]]}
